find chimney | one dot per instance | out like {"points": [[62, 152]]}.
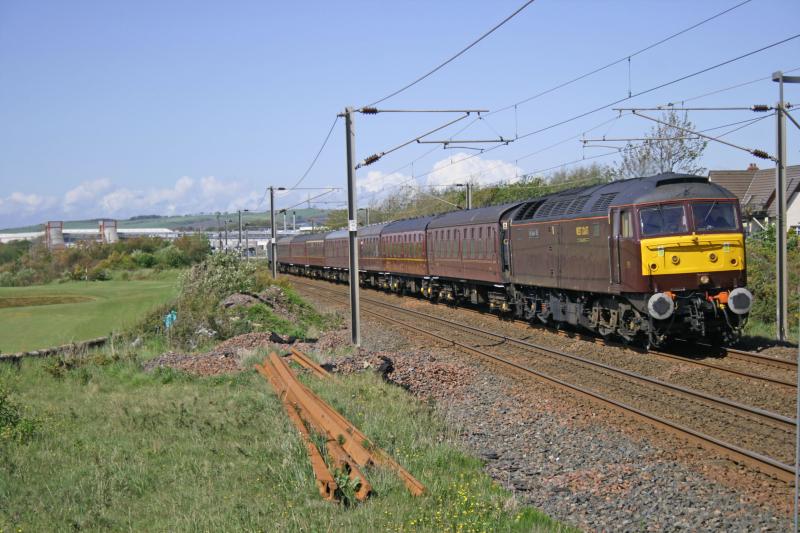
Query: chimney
{"points": [[752, 168]]}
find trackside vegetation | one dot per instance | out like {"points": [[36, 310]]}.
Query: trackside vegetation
{"points": [[96, 442], [24, 263], [761, 281]]}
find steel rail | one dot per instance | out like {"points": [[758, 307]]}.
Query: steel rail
{"points": [[735, 354], [759, 359], [792, 423], [761, 462], [736, 453], [752, 356]]}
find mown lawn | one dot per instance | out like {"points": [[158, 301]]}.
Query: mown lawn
{"points": [[107, 306], [120, 449]]}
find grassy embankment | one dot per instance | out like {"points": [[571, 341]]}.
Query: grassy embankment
{"points": [[97, 443], [761, 281], [48, 315]]}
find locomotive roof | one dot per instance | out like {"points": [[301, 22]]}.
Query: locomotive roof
{"points": [[408, 224], [309, 237], [482, 215], [596, 200], [285, 239]]}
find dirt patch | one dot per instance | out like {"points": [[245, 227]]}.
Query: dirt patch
{"points": [[27, 301], [239, 299], [226, 358]]}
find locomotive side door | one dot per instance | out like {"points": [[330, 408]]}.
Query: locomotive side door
{"points": [[505, 247], [614, 249], [554, 250]]}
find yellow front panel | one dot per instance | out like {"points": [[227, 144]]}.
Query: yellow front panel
{"points": [[685, 254]]}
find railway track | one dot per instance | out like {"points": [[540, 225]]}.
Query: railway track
{"points": [[711, 357], [749, 435]]}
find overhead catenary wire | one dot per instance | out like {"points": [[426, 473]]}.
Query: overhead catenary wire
{"points": [[753, 151], [585, 75], [662, 85], [731, 87], [610, 104], [742, 124], [454, 57], [308, 200], [316, 157], [622, 59]]}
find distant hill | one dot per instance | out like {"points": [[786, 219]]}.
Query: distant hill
{"points": [[207, 221]]}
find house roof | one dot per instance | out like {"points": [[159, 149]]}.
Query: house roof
{"points": [[736, 181], [792, 188], [756, 188]]}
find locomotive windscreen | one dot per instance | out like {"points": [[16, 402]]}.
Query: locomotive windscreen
{"points": [[714, 216], [662, 220]]}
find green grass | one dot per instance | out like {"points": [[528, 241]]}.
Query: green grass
{"points": [[113, 305], [757, 331], [119, 449]]}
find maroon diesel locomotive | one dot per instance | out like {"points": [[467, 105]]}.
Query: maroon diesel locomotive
{"points": [[644, 259]]}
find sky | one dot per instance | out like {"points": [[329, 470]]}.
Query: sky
{"points": [[116, 109]]}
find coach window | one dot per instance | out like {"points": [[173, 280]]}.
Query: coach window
{"points": [[472, 243]]}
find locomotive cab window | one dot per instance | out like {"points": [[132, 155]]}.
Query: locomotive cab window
{"points": [[714, 216], [662, 220]]}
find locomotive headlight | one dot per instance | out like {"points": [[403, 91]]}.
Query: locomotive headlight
{"points": [[740, 301], [704, 279], [660, 306]]}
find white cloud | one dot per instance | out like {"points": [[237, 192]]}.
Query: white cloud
{"points": [[18, 203], [84, 193], [101, 198], [376, 181], [459, 168], [462, 167]]}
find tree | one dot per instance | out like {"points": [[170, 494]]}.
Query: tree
{"points": [[666, 149]]}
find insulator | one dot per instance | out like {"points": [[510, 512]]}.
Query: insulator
{"points": [[760, 108], [371, 159], [369, 110], [760, 154]]}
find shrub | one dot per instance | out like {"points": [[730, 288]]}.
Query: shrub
{"points": [[99, 273], [171, 257], [761, 275], [218, 276], [14, 426], [143, 259], [194, 247]]}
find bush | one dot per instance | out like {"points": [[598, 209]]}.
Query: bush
{"points": [[99, 273], [761, 275], [143, 259], [218, 276], [171, 257], [194, 247], [14, 426]]}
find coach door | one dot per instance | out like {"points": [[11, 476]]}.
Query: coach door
{"points": [[614, 248]]}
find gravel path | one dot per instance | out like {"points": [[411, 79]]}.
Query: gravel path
{"points": [[580, 463]]}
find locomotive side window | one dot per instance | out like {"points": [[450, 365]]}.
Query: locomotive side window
{"points": [[662, 219], [714, 216], [627, 225]]}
